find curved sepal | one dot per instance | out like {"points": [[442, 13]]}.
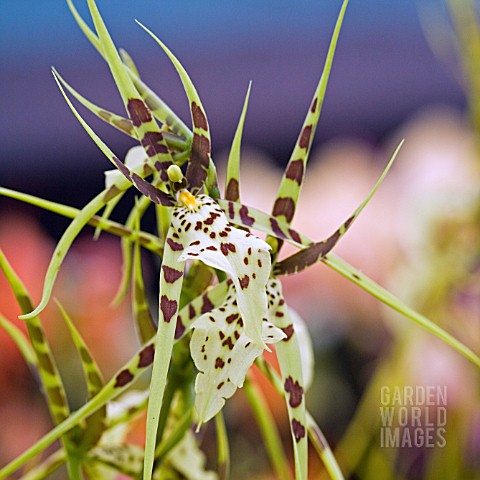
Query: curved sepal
{"points": [[307, 257], [232, 181], [199, 163]]}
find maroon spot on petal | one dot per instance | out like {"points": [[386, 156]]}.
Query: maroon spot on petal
{"points": [[228, 343], [276, 229], [213, 235], [179, 328], [123, 378], [288, 331], [220, 385], [259, 263], [176, 247], [199, 119], [245, 260], [236, 335], [198, 225], [231, 318], [232, 192], [207, 305], [298, 430], [295, 390], [213, 248], [138, 112], [284, 206], [305, 137], [295, 171], [223, 234], [196, 242], [219, 363], [314, 105], [279, 314], [171, 275], [168, 307], [244, 282], [246, 220], [146, 356], [221, 335]]}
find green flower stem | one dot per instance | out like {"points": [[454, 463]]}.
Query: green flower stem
{"points": [[223, 446], [47, 467], [323, 449], [146, 240], [269, 430], [175, 437], [393, 302]]}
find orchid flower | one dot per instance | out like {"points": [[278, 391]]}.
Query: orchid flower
{"points": [[229, 325]]}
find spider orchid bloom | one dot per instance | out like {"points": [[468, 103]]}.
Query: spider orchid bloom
{"points": [[200, 230]]}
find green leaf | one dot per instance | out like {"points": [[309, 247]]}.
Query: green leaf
{"points": [[123, 379], [95, 424], [20, 341]]}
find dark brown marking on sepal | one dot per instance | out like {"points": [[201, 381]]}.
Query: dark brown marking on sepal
{"points": [[232, 318], [288, 331], [276, 229], [153, 144], [179, 328], [146, 356], [56, 395], [295, 390], [232, 192], [304, 258], [231, 211], [112, 192], [207, 305], [284, 206], [295, 171], [246, 220], [138, 112], [294, 235], [176, 247], [199, 118], [298, 430], [314, 105], [45, 362], [153, 193], [171, 275], [304, 141], [123, 378], [168, 307], [199, 161], [36, 334], [95, 380]]}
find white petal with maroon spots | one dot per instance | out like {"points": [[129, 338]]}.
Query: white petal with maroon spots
{"points": [[207, 235], [223, 353]]}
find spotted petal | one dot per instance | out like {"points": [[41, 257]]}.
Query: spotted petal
{"points": [[206, 235], [223, 353]]}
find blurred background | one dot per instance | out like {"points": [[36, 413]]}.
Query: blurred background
{"points": [[401, 71]]}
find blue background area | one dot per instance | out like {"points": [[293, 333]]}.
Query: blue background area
{"points": [[384, 71]]}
